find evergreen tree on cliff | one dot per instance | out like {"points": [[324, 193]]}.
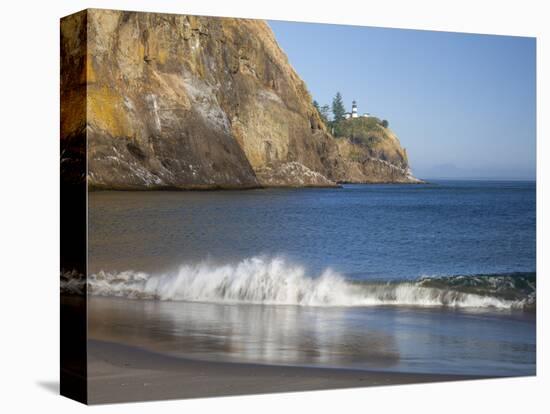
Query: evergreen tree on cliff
{"points": [[323, 111], [338, 109], [317, 106]]}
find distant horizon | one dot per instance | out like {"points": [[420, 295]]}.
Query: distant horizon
{"points": [[477, 93], [489, 179], [455, 172]]}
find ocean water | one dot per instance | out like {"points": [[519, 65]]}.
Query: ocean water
{"points": [[417, 278]]}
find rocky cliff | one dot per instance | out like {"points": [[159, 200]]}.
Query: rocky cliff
{"points": [[371, 153], [173, 101]]}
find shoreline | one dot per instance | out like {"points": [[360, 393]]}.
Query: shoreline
{"points": [[93, 188], [124, 373], [215, 188]]}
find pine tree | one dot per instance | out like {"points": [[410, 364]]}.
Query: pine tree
{"points": [[325, 111], [316, 105], [338, 109]]}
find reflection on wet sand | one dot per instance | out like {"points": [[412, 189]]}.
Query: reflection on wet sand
{"points": [[244, 333]]}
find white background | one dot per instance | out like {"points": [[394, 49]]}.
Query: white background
{"points": [[29, 219]]}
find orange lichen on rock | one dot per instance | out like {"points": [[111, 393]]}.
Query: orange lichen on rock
{"points": [[106, 112]]}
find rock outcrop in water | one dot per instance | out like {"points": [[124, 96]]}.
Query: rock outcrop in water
{"points": [[174, 101]]}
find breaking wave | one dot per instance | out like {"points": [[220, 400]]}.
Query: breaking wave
{"points": [[276, 281]]}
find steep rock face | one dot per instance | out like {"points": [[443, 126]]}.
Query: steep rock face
{"points": [[197, 102], [360, 166], [374, 155]]}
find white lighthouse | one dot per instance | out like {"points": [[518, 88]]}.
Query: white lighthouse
{"points": [[354, 113]]}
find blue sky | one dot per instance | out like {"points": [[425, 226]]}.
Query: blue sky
{"points": [[463, 105]]}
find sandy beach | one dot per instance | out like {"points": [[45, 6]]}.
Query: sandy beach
{"points": [[121, 373]]}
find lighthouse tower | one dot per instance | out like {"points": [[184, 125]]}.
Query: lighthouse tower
{"points": [[354, 110]]}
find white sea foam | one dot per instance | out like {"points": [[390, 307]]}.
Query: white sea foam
{"points": [[276, 281]]}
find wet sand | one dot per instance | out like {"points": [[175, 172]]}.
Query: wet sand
{"points": [[121, 373]]}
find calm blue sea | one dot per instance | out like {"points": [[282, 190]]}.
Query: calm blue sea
{"points": [[364, 231]]}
